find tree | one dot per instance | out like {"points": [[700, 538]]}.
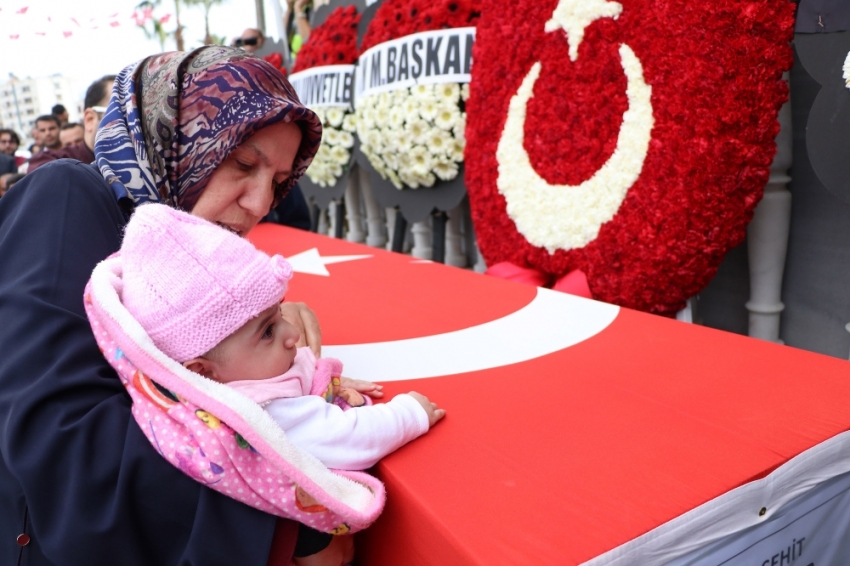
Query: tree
{"points": [[152, 26], [158, 30], [209, 39]]}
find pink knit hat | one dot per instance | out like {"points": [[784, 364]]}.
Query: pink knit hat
{"points": [[190, 283]]}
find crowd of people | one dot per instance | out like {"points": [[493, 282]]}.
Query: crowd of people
{"points": [[55, 137]]}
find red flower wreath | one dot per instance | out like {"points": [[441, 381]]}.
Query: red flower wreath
{"points": [[714, 69], [332, 43], [398, 18]]}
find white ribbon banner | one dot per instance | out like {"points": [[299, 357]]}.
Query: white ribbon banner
{"points": [[430, 57], [325, 86]]}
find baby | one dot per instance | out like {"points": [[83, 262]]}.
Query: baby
{"points": [[211, 301]]}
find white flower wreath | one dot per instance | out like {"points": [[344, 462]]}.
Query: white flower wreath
{"points": [[334, 155], [414, 136]]}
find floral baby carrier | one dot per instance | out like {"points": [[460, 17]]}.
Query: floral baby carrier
{"points": [[216, 435]]}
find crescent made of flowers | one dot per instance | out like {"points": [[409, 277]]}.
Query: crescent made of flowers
{"points": [[566, 216], [627, 140]]}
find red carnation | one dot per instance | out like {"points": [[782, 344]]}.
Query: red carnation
{"points": [[398, 18], [332, 43]]}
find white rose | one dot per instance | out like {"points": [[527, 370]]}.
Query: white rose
{"points": [[410, 107], [392, 160], [374, 139], [447, 116], [418, 130], [428, 179], [445, 169], [409, 178], [335, 116], [320, 114], [438, 142], [428, 109], [404, 141], [421, 160], [331, 137], [447, 92], [464, 92], [346, 139], [456, 147], [349, 123], [382, 118], [459, 129], [422, 92], [396, 118], [340, 155]]}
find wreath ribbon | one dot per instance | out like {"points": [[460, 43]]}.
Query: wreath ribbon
{"points": [[574, 282]]}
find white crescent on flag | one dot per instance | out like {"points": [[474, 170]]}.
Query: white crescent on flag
{"points": [[551, 322]]}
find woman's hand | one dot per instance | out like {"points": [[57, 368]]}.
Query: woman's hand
{"points": [[304, 319], [366, 387], [338, 553]]}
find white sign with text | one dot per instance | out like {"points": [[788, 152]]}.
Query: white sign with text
{"points": [[325, 86], [430, 57]]}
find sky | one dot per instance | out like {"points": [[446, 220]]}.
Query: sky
{"points": [[95, 48]]}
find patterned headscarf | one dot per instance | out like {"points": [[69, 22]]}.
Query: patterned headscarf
{"points": [[174, 118]]}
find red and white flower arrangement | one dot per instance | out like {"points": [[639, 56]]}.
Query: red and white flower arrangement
{"points": [[414, 136], [332, 43], [628, 140]]}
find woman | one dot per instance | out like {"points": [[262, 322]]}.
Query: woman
{"points": [[215, 132]]}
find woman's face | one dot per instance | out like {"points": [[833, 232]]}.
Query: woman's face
{"points": [[240, 191]]}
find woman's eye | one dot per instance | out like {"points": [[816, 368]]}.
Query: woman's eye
{"points": [[269, 332], [244, 166]]}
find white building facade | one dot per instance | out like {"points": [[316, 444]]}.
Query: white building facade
{"points": [[24, 100]]}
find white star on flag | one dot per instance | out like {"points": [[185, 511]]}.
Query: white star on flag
{"points": [[313, 263]]}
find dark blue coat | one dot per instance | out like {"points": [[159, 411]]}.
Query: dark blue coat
{"points": [[76, 473]]}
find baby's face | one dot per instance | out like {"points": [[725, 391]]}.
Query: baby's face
{"points": [[264, 347]]}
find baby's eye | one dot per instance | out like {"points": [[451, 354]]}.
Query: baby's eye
{"points": [[268, 333]]}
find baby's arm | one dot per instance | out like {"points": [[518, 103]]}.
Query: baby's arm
{"points": [[355, 439]]}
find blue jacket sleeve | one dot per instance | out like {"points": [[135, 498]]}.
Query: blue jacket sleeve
{"points": [[77, 475]]}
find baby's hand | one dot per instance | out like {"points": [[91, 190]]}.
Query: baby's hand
{"points": [[434, 412], [371, 389]]}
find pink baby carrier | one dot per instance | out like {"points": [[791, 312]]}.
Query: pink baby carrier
{"points": [[216, 435]]}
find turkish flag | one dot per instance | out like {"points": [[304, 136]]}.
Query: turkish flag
{"points": [[572, 426]]}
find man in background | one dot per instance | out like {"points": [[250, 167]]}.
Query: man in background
{"points": [[9, 141], [71, 134], [61, 114], [47, 132], [97, 98], [252, 39]]}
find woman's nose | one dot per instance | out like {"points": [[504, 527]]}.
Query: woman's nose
{"points": [[258, 197]]}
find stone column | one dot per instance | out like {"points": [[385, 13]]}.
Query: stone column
{"points": [[421, 240], [376, 236], [767, 240], [454, 238], [352, 209]]}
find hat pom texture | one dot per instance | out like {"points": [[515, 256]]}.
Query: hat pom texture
{"points": [[190, 283]]}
